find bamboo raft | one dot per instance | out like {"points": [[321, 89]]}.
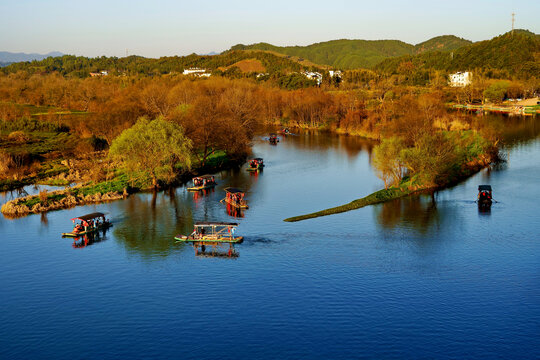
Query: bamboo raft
{"points": [[235, 197], [87, 222], [255, 164], [206, 181], [212, 234]]}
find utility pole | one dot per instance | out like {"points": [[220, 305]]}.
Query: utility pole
{"points": [[513, 20]]}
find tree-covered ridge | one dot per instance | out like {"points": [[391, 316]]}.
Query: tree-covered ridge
{"points": [[342, 54], [80, 66], [517, 54], [354, 54], [441, 43]]}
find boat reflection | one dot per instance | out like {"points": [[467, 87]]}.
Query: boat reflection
{"points": [[218, 254], [89, 239], [234, 211], [255, 173], [484, 210], [200, 194]]}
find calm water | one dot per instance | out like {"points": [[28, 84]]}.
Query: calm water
{"points": [[424, 277]]}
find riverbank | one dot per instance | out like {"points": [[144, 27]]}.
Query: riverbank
{"points": [[119, 187], [514, 109]]}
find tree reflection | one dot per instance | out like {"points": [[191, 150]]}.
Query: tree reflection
{"points": [[151, 224], [417, 212]]}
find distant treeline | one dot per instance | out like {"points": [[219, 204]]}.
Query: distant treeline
{"points": [[80, 66]]}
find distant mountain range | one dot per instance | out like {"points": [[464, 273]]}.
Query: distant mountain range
{"points": [[9, 57], [353, 54]]}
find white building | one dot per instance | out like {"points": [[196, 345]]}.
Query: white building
{"points": [[336, 73], [196, 72], [313, 76], [460, 79]]}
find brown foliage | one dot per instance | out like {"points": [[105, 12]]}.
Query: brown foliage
{"points": [[43, 197]]}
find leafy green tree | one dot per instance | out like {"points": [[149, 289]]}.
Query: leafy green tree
{"points": [[387, 162], [496, 92], [157, 147]]}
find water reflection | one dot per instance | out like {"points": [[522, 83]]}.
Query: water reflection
{"points": [[484, 210], [150, 223], [198, 196], [314, 140], [419, 213], [218, 254], [89, 239], [43, 218], [512, 130], [234, 211]]}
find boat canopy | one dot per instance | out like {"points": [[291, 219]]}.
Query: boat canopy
{"points": [[233, 190], [206, 177], [258, 159], [484, 187], [203, 223], [89, 216]]}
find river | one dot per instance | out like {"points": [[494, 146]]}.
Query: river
{"points": [[422, 277]]}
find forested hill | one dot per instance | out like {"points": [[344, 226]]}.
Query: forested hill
{"points": [[354, 54], [441, 43], [79, 66], [516, 54]]}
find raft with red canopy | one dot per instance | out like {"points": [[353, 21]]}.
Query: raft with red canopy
{"points": [[88, 223]]}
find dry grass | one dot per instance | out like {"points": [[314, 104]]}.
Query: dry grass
{"points": [[18, 136], [43, 196], [247, 66]]}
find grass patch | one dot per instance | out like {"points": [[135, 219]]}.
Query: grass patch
{"points": [[375, 198], [35, 200]]}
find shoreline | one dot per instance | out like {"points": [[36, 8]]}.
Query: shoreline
{"points": [[83, 194], [514, 109]]}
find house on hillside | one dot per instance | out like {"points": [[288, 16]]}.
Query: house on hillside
{"points": [[196, 72], [313, 75], [460, 79], [101, 73], [336, 73]]}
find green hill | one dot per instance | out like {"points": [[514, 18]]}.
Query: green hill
{"points": [[441, 43], [354, 54], [343, 54], [518, 54]]}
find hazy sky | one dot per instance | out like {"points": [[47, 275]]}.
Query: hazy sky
{"points": [[166, 27]]}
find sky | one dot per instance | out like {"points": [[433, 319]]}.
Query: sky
{"points": [[155, 28]]}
